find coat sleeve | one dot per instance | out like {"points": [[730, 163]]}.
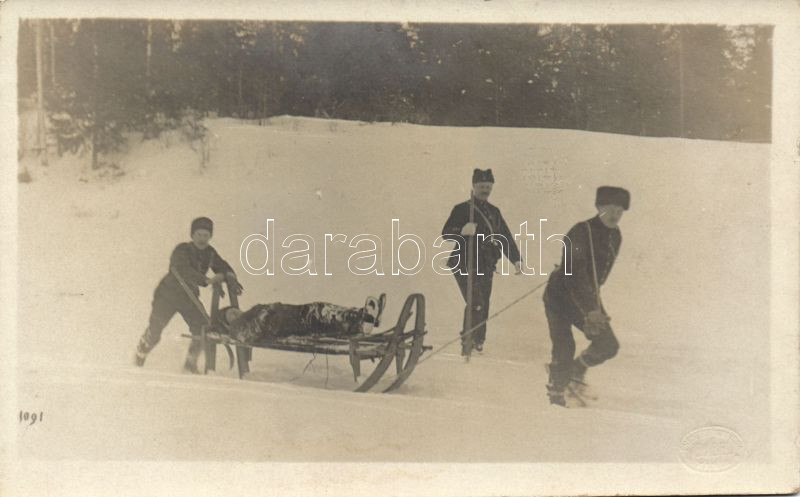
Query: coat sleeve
{"points": [[580, 284], [220, 265], [452, 227], [511, 251], [181, 261]]}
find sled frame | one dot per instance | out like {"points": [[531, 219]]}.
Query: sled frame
{"points": [[401, 344]]}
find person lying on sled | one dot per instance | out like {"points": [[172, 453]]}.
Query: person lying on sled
{"points": [[264, 323]]}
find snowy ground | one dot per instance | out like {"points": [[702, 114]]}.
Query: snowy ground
{"points": [[688, 297]]}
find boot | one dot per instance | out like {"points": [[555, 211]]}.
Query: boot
{"points": [[578, 377], [579, 370], [141, 352], [467, 345], [381, 307], [191, 357], [190, 366], [559, 377], [138, 359], [557, 400], [373, 310]]}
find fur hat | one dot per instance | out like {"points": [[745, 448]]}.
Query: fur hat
{"points": [[613, 195], [479, 176], [202, 223]]}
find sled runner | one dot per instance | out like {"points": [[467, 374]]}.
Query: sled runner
{"points": [[401, 344]]}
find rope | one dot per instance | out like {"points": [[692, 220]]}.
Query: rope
{"points": [[446, 344], [594, 267], [313, 357], [475, 327]]}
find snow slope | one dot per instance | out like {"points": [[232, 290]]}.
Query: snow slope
{"points": [[688, 297]]}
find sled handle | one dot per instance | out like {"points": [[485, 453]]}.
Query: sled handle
{"points": [[243, 354]]}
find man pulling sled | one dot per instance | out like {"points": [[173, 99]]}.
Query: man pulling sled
{"points": [[574, 299]]}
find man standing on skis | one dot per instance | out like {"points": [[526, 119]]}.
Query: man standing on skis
{"points": [[187, 272], [485, 219], [574, 299]]}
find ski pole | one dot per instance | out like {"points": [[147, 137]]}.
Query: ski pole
{"points": [[466, 346]]}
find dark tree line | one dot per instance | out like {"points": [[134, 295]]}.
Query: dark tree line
{"points": [[103, 77]]}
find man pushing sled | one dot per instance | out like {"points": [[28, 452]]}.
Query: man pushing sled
{"points": [[262, 324], [188, 265]]}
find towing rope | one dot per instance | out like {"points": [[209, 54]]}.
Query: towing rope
{"points": [[435, 351], [463, 333], [313, 356]]}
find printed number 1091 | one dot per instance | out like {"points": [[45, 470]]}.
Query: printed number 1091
{"points": [[31, 417]]}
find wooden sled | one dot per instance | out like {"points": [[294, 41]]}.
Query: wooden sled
{"points": [[401, 344]]}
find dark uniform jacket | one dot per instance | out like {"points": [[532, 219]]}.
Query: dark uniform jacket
{"points": [[192, 264], [489, 221], [576, 293]]}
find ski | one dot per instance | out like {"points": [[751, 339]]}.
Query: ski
{"points": [[573, 394]]}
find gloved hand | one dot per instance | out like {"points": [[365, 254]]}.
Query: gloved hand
{"points": [[595, 323], [518, 267], [233, 284], [469, 229]]}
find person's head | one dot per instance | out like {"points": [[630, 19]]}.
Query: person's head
{"points": [[482, 183], [202, 231], [611, 203], [227, 317], [230, 314]]}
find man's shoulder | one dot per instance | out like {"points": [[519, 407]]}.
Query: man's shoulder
{"points": [[190, 248], [492, 207], [592, 222], [460, 209], [485, 205], [581, 225], [579, 228], [182, 246], [210, 250]]}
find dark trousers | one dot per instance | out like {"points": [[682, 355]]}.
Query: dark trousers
{"points": [[481, 292], [560, 319], [164, 307]]}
